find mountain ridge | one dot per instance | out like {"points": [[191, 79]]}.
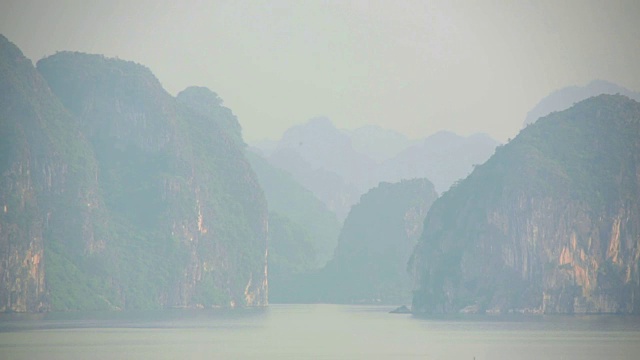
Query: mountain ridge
{"points": [[566, 97], [338, 172], [546, 225], [134, 199]]}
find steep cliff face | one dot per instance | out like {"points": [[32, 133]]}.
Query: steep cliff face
{"points": [[177, 217], [550, 224], [237, 208], [47, 182], [290, 199], [370, 261]]}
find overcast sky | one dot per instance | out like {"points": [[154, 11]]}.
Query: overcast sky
{"points": [[413, 66]]}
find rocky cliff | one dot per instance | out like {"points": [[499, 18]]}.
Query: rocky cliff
{"points": [[47, 182], [370, 261], [188, 217], [550, 224], [117, 195], [289, 199]]}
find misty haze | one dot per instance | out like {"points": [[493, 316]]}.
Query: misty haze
{"points": [[319, 180]]}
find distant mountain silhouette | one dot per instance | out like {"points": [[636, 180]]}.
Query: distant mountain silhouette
{"points": [[443, 158], [549, 224], [378, 143], [288, 199], [378, 236], [322, 159], [565, 98], [115, 195], [338, 166]]}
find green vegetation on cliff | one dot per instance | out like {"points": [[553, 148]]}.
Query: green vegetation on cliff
{"points": [[370, 261], [291, 255], [535, 228], [288, 198], [186, 220], [116, 195], [46, 170], [302, 232]]}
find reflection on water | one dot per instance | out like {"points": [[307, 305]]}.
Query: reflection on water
{"points": [[313, 332], [160, 319]]}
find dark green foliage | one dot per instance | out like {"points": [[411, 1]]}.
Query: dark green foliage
{"points": [[302, 231], [370, 262], [47, 173], [132, 200], [289, 246], [208, 103], [289, 199], [582, 164], [129, 181], [291, 254], [227, 183], [209, 293]]}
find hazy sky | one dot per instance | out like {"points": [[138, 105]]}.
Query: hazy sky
{"points": [[413, 66]]}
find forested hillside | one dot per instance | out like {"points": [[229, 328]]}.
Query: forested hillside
{"points": [[548, 225], [117, 195]]}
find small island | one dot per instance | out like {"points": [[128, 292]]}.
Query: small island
{"points": [[401, 310]]}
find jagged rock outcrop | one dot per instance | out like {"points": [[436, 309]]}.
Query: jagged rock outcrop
{"points": [[549, 224], [47, 182], [176, 182], [235, 201], [116, 195]]}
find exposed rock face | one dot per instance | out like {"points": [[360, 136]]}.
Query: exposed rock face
{"points": [[116, 195], [288, 199], [237, 208], [173, 171], [550, 224], [46, 184]]}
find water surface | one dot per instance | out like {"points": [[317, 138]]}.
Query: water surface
{"points": [[314, 332]]}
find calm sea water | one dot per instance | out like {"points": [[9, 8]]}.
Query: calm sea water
{"points": [[314, 332]]}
